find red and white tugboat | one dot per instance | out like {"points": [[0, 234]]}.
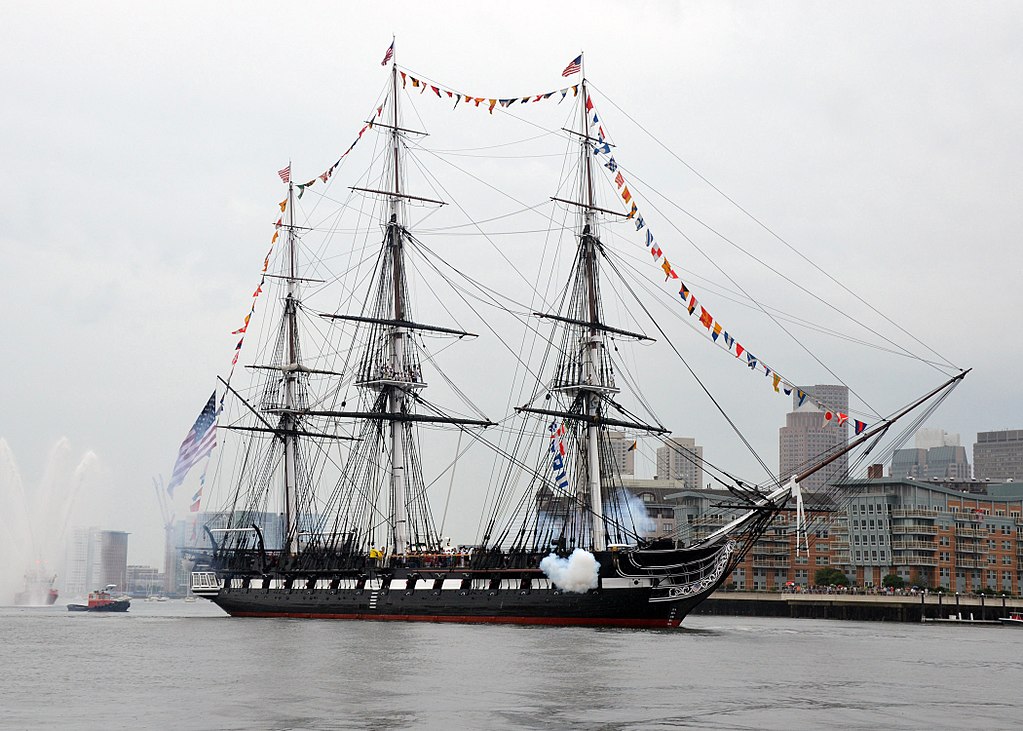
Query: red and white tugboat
{"points": [[102, 601]]}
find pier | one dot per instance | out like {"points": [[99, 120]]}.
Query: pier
{"points": [[861, 607]]}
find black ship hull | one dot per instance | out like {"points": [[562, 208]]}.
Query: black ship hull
{"points": [[609, 608], [628, 594]]}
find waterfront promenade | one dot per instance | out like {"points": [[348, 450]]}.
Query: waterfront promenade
{"points": [[871, 607]]}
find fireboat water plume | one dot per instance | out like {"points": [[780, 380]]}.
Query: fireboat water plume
{"points": [[38, 519]]}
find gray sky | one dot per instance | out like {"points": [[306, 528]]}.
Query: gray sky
{"points": [[140, 144]]}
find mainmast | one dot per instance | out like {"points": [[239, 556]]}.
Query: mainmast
{"points": [[594, 341], [584, 371], [289, 414], [390, 375], [394, 242]]}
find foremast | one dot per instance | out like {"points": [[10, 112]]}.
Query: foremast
{"points": [[588, 251], [584, 372]]}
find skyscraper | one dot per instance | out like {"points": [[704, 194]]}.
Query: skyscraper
{"points": [[808, 437], [681, 458], [624, 457], [937, 456], [95, 559], [833, 397], [998, 455]]}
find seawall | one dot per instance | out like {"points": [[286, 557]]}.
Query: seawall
{"points": [[880, 608]]}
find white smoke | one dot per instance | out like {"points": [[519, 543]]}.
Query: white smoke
{"points": [[577, 573], [632, 509]]}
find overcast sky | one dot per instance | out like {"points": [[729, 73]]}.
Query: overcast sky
{"points": [[140, 143]]}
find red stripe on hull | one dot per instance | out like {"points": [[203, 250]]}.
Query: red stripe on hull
{"points": [[473, 619]]}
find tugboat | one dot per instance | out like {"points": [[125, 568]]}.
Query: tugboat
{"points": [[102, 601]]}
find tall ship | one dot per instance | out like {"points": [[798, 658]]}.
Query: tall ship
{"points": [[337, 430]]}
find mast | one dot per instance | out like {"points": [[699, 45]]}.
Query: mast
{"points": [[594, 341], [288, 416], [394, 242]]}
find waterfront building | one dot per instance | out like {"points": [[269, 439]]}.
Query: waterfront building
{"points": [[998, 455], [934, 536], [930, 534], [681, 458], [143, 580], [95, 558], [653, 496], [772, 562]]}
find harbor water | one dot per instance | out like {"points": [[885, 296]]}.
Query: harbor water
{"points": [[176, 665]]}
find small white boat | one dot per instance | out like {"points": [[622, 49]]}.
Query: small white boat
{"points": [[1014, 619]]}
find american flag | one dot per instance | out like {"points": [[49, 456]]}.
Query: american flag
{"points": [[201, 440], [574, 67], [285, 173], [389, 55]]}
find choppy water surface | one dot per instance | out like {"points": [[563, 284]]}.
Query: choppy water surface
{"points": [[187, 666]]}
